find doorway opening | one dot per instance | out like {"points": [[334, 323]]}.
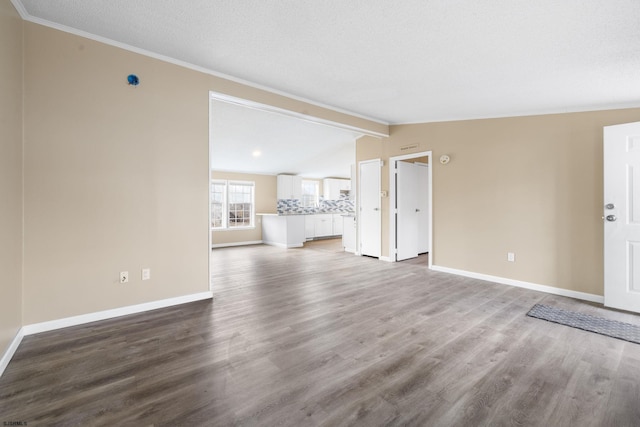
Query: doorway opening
{"points": [[410, 206], [252, 142]]}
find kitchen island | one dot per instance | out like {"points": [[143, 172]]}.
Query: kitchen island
{"points": [[284, 231]]}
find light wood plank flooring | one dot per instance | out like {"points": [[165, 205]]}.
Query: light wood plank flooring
{"points": [[316, 336]]}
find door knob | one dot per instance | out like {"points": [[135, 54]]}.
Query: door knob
{"points": [[417, 210], [609, 206], [376, 209], [611, 218]]}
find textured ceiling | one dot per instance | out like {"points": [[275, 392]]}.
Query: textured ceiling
{"points": [[396, 61]]}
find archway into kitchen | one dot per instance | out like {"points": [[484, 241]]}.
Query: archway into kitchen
{"points": [[411, 207], [255, 149]]}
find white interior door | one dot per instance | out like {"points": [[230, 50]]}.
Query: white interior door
{"points": [[423, 206], [407, 210], [370, 220], [622, 216]]}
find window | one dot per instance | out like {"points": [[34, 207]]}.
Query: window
{"points": [[218, 202], [310, 193], [232, 204]]}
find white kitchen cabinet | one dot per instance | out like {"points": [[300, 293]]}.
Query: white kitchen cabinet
{"points": [[327, 189], [309, 227], [337, 225], [289, 187], [323, 225], [332, 187], [349, 234]]}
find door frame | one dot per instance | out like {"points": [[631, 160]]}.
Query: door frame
{"points": [[209, 175], [392, 200], [244, 102]]}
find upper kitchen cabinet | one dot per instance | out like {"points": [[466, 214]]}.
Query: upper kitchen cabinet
{"points": [[289, 187], [332, 188]]}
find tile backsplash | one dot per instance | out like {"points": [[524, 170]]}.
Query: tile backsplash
{"points": [[294, 207]]}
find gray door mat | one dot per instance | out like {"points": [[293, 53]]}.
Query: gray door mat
{"points": [[586, 322]]}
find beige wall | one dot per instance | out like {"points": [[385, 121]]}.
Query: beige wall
{"points": [[116, 177], [10, 173], [529, 185], [265, 199]]}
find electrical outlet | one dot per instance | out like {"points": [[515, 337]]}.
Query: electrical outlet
{"points": [[146, 273], [124, 276], [511, 257]]}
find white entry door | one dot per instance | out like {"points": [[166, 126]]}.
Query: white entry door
{"points": [[407, 208], [370, 219], [622, 216]]}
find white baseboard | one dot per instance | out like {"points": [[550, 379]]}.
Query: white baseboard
{"points": [[283, 245], [94, 317], [227, 245], [386, 258], [36, 328], [13, 346], [521, 284]]}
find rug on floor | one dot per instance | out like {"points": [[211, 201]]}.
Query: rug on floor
{"points": [[599, 325]]}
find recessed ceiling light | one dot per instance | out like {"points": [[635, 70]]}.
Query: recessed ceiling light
{"points": [[257, 153]]}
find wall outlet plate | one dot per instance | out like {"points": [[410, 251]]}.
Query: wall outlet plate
{"points": [[146, 273]]}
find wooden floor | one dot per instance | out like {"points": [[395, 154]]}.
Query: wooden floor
{"points": [[316, 336]]}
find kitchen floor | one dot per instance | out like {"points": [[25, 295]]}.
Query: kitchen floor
{"points": [[335, 245], [325, 245]]}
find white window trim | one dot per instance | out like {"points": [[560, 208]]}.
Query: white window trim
{"points": [[225, 207]]}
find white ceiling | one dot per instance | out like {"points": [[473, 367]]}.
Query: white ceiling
{"points": [[286, 144], [397, 61], [393, 61]]}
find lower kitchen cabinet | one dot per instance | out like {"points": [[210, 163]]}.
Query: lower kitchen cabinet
{"points": [[349, 234], [322, 225], [337, 224], [309, 227]]}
